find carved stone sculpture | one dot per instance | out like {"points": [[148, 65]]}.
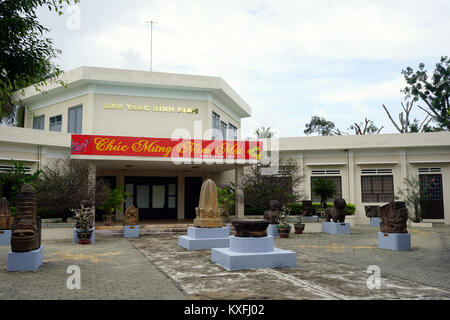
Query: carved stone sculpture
{"points": [[372, 211], [5, 215], [131, 217], [337, 214], [394, 216], [84, 217], [26, 228], [307, 208], [250, 228], [208, 214], [273, 213]]}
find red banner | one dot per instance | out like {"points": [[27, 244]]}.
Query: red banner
{"points": [[164, 147]]}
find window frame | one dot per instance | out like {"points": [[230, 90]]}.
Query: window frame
{"points": [[382, 193], [43, 122], [77, 107], [56, 123]]}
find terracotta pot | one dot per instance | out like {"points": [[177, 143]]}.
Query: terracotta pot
{"points": [[284, 231], [84, 236]]}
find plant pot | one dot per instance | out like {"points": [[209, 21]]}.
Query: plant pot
{"points": [[84, 236], [299, 228], [284, 230]]}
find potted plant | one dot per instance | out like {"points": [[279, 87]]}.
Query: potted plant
{"points": [[299, 226], [84, 222], [284, 229], [115, 199]]}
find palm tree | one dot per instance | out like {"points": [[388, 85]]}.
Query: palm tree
{"points": [[325, 188], [264, 133]]}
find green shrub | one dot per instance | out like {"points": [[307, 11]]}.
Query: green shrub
{"points": [[48, 214], [297, 207]]}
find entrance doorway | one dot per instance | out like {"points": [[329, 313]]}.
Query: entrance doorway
{"points": [[192, 186], [155, 197], [431, 196]]}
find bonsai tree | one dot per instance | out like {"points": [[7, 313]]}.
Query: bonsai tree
{"points": [[325, 188]]}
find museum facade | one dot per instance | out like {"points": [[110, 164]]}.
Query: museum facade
{"points": [[160, 135]]}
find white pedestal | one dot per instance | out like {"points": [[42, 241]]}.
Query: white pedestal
{"points": [[375, 222], [75, 236], [272, 230], [336, 227], [253, 253], [5, 237], [205, 238], [131, 231], [394, 241], [25, 261]]}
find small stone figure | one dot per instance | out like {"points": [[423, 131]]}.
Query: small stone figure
{"points": [[26, 228], [273, 213], [372, 211], [208, 215], [84, 217], [5, 215], [131, 217], [394, 216], [307, 208], [337, 214]]}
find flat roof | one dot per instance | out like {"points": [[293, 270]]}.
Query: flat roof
{"points": [[87, 75]]}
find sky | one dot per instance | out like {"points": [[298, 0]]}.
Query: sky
{"points": [[289, 60]]}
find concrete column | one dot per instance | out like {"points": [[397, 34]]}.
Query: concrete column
{"points": [[403, 165], [180, 196], [120, 183], [239, 201], [92, 179]]}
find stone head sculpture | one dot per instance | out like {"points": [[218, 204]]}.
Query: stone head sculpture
{"points": [[337, 214], [394, 216], [208, 214], [307, 208], [26, 228], [273, 212], [5, 215], [131, 216]]}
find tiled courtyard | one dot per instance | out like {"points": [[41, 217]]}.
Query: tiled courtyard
{"points": [[155, 267]]}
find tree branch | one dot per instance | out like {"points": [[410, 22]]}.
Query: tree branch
{"points": [[392, 120]]}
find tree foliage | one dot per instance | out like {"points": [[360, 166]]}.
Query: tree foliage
{"points": [[65, 184], [325, 188], [321, 126], [434, 92], [264, 132], [25, 53], [259, 188]]}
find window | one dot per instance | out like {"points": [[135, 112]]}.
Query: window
{"points": [[215, 124], [232, 131], [223, 130], [56, 123], [38, 122], [338, 194], [377, 188], [75, 119]]}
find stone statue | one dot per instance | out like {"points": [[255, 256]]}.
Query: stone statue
{"points": [[131, 217], [208, 214], [307, 208], [273, 213], [337, 214], [372, 211], [5, 215], [250, 228], [26, 228], [394, 216]]}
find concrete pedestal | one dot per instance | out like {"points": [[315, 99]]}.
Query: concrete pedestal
{"points": [[131, 231], [75, 236], [375, 222], [205, 238], [5, 237], [310, 219], [25, 261], [336, 227], [394, 241], [253, 253], [272, 230]]}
